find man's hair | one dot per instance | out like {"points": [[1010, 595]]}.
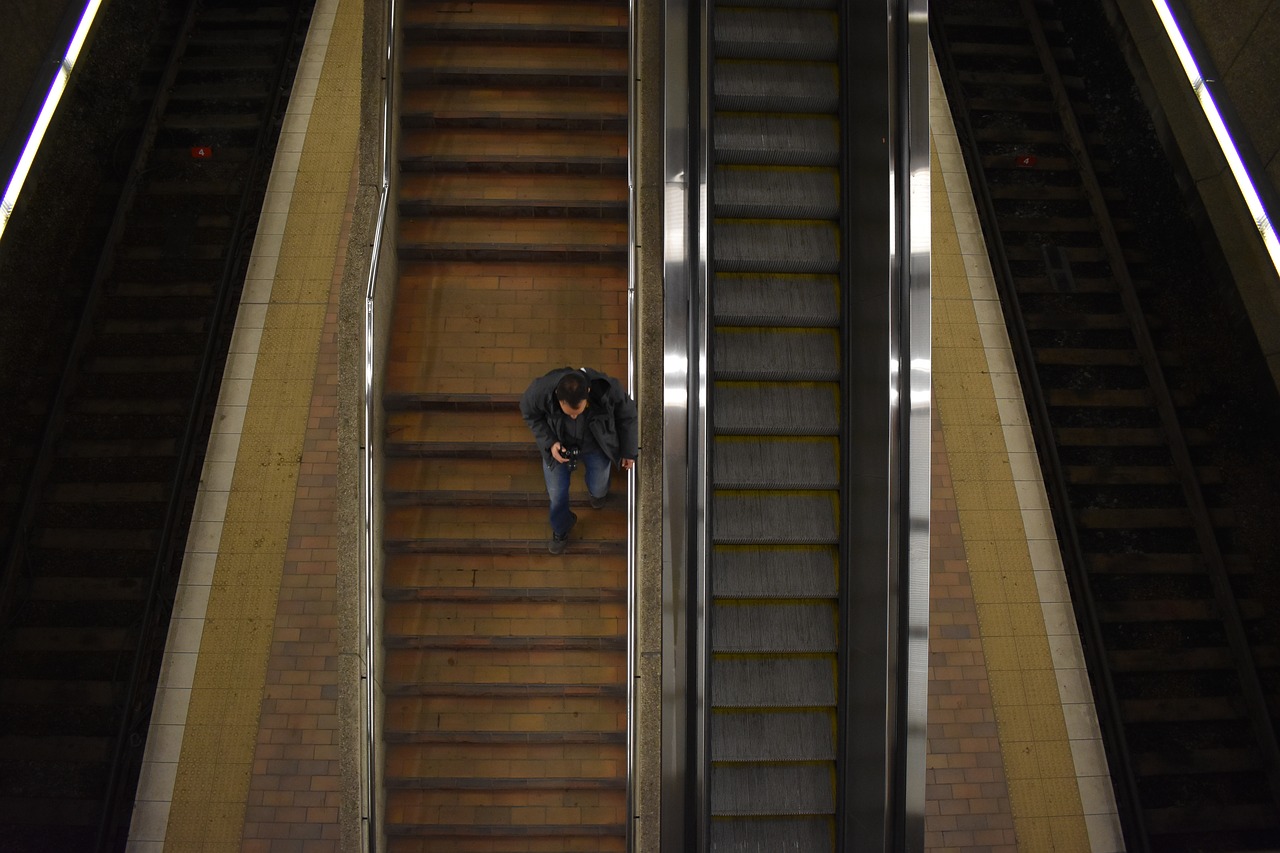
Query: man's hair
{"points": [[572, 389]]}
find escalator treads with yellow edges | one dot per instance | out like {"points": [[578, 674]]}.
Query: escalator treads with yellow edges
{"points": [[776, 368]]}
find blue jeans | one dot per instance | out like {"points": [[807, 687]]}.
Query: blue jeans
{"points": [[557, 476]]}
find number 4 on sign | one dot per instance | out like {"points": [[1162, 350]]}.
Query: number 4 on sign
{"points": [[201, 152], [1025, 161]]}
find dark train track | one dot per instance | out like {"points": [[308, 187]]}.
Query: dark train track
{"points": [[102, 514], [1133, 409]]}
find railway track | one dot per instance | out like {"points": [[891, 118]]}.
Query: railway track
{"points": [[1172, 588], [505, 673], [92, 567]]}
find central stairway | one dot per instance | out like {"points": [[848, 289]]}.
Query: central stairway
{"points": [[505, 672]]}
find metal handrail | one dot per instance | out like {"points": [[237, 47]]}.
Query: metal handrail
{"points": [[633, 557], [369, 659]]}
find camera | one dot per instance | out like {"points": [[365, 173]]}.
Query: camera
{"points": [[573, 454]]}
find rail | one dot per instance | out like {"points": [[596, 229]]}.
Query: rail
{"points": [[632, 337], [367, 479]]}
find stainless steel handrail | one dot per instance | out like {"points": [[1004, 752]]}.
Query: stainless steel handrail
{"points": [[633, 558], [369, 661]]}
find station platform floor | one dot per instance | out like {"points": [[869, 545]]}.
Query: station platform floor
{"points": [[255, 736]]}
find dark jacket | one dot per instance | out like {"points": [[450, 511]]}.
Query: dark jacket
{"points": [[611, 415]]}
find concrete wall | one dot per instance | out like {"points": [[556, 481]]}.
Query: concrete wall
{"points": [[32, 40], [1241, 38], [1242, 42]]}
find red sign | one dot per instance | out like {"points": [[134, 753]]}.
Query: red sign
{"points": [[1025, 161], [201, 152]]}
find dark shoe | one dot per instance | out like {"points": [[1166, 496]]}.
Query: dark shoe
{"points": [[596, 502], [558, 541]]}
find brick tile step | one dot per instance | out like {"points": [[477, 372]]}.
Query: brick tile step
{"points": [[507, 150], [489, 690], [465, 524], [410, 401], [499, 765], [462, 449], [505, 619], [515, 826], [481, 595], [497, 546], [498, 844], [460, 426], [419, 278], [503, 666], [522, 494], [468, 479], [418, 235], [618, 737], [480, 59], [567, 16], [560, 643], [504, 715], [523, 811], [505, 783], [495, 194], [480, 571], [511, 105], [483, 680]]}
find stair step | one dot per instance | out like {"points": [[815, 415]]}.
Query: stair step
{"points": [[506, 61], [497, 546], [522, 194], [422, 19], [506, 690], [508, 737], [511, 106], [506, 643], [507, 784], [512, 150], [482, 595]]}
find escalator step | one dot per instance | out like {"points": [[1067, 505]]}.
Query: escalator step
{"points": [[773, 573], [773, 789], [743, 408], [807, 682], [800, 140], [776, 354], [793, 87], [777, 463], [776, 246], [756, 836], [776, 300], [773, 518], [773, 627], [753, 736], [776, 192], [775, 34]]}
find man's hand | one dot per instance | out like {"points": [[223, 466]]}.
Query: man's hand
{"points": [[556, 452], [628, 464]]}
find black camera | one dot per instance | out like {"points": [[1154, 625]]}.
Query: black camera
{"points": [[573, 454]]}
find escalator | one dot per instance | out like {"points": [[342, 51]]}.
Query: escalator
{"points": [[775, 347], [797, 319]]}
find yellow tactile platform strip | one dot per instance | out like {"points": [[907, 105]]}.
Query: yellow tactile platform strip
{"points": [[1053, 761], [277, 524]]}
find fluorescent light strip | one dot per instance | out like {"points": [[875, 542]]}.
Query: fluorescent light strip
{"points": [[56, 89], [1200, 87]]}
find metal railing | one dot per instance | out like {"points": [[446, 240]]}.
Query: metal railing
{"points": [[369, 514]]}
